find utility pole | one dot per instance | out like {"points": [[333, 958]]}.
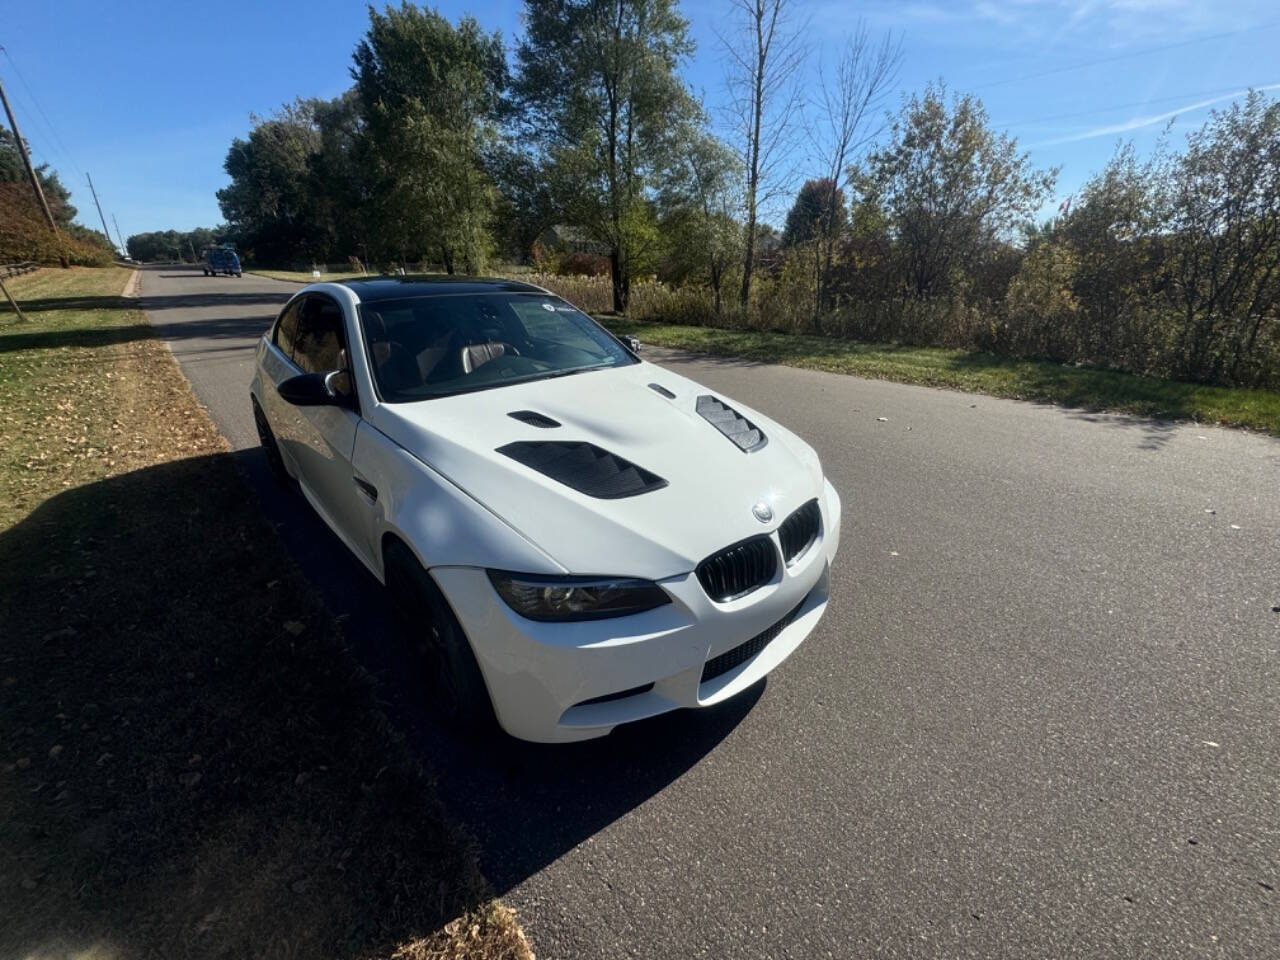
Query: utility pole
{"points": [[105, 232], [119, 239], [26, 161]]}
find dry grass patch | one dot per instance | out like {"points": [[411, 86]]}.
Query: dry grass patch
{"points": [[190, 762]]}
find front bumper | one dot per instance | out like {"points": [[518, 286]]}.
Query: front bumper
{"points": [[540, 675]]}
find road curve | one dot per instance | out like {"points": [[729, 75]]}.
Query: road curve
{"points": [[1040, 719]]}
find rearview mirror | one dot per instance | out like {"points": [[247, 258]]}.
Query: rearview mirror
{"points": [[331, 389]]}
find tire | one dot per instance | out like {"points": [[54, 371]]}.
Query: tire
{"points": [[269, 446], [455, 686]]}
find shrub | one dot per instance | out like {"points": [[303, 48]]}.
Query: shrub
{"points": [[1042, 314], [580, 264], [25, 235]]}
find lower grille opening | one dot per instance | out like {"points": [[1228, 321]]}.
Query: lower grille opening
{"points": [[718, 666], [620, 695]]}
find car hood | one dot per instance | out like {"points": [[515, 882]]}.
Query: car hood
{"points": [[711, 484]]}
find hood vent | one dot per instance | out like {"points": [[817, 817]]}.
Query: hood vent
{"points": [[584, 467], [659, 388], [534, 419], [745, 434]]}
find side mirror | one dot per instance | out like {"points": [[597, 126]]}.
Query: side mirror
{"points": [[631, 343], [331, 389]]}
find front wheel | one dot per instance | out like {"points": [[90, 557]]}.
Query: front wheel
{"points": [[270, 447], [455, 685]]}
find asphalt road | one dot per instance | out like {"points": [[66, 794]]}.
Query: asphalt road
{"points": [[1040, 719]]}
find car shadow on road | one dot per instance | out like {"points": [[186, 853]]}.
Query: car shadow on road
{"points": [[188, 754], [186, 751], [526, 804]]}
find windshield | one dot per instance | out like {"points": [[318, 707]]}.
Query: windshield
{"points": [[426, 347]]}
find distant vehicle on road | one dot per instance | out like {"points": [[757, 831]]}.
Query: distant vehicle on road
{"points": [[574, 538], [221, 260]]}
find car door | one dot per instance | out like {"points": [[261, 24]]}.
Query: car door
{"points": [[275, 359], [325, 435]]}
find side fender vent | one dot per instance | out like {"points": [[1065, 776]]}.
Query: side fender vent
{"points": [[584, 467], [534, 419], [745, 434]]}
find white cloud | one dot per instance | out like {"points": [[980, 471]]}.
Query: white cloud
{"points": [[1127, 21]]}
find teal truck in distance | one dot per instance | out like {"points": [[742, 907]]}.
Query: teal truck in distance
{"points": [[221, 260]]}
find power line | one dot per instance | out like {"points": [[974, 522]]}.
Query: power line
{"points": [[105, 232], [55, 140], [26, 162], [1125, 56]]}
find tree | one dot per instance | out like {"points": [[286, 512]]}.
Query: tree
{"points": [[431, 94], [819, 207], [952, 189], [844, 123], [272, 201], [1112, 232], [598, 82], [1222, 204], [55, 193], [339, 173], [174, 244], [764, 57], [525, 206], [815, 219], [699, 200]]}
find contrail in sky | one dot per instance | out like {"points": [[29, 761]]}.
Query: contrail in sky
{"points": [[1138, 123]]}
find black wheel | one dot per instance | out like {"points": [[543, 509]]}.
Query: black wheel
{"points": [[455, 685], [270, 447]]}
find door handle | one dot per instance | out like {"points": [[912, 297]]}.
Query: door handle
{"points": [[368, 489]]}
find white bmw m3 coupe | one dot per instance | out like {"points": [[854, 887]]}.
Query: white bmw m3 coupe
{"points": [[573, 537]]}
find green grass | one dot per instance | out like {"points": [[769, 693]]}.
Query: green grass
{"points": [[191, 764], [1083, 387]]}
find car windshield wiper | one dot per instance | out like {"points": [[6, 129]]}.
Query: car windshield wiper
{"points": [[572, 370]]}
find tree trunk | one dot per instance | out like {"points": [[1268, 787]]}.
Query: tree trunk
{"points": [[748, 260], [621, 282], [447, 256], [753, 165]]}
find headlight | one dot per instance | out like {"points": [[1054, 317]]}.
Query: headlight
{"points": [[575, 598]]}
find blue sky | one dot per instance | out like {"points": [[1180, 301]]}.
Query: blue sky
{"points": [[147, 96]]}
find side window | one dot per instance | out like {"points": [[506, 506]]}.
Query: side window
{"points": [[287, 329], [320, 337]]}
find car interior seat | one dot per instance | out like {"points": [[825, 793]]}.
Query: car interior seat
{"points": [[395, 365]]}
